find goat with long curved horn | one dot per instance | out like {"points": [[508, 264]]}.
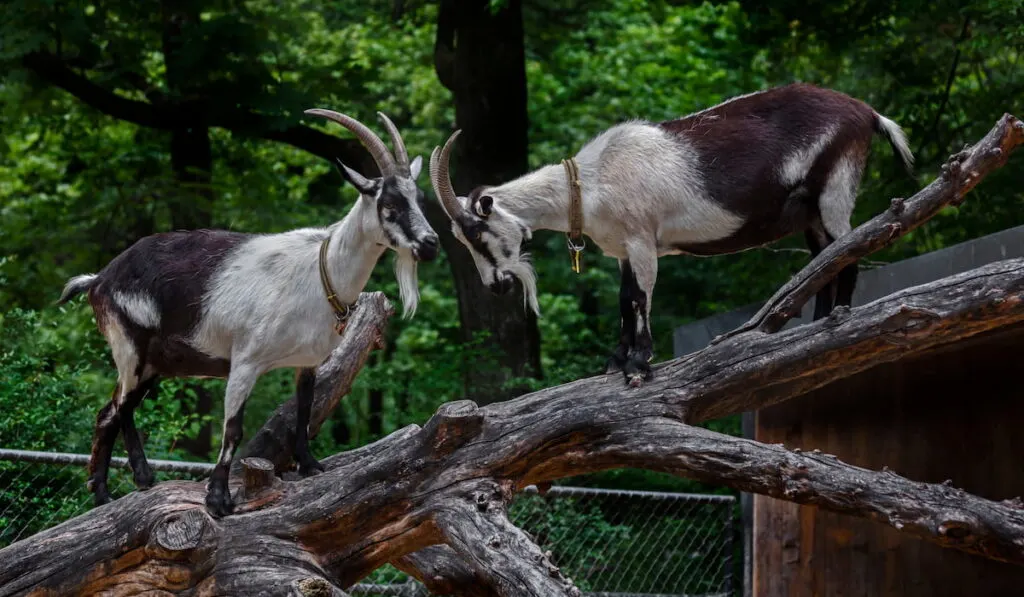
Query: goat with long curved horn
{"points": [[745, 173], [440, 179], [309, 280], [373, 143]]}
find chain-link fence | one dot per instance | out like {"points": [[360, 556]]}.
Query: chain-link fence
{"points": [[612, 543]]}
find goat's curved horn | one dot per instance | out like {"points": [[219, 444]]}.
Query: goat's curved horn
{"points": [[372, 143], [401, 155], [441, 180]]}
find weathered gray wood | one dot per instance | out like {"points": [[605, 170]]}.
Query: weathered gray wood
{"points": [[503, 556], [960, 174], [397, 499]]}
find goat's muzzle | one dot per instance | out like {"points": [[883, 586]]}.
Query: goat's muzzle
{"points": [[502, 284], [426, 249]]}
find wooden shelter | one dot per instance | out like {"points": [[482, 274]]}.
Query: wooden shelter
{"points": [[954, 413]]}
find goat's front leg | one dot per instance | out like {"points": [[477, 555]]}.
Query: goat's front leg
{"points": [[644, 269], [627, 321], [304, 396], [240, 382]]}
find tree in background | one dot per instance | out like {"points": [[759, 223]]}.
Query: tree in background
{"points": [[480, 58]]}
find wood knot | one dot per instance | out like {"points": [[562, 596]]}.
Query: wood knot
{"points": [[839, 314], [315, 587], [454, 424], [897, 205], [995, 152], [180, 532], [955, 529]]}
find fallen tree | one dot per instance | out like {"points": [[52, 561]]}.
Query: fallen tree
{"points": [[432, 499]]}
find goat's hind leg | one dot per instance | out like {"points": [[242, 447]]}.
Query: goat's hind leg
{"points": [[142, 474], [104, 436], [304, 396], [817, 240]]}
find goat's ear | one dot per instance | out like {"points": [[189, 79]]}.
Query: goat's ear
{"points": [[365, 185], [415, 167], [484, 206]]}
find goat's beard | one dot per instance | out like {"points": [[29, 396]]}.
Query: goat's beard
{"points": [[523, 270], [408, 284]]}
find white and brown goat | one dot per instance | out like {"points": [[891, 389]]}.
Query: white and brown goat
{"points": [[214, 303], [738, 175]]}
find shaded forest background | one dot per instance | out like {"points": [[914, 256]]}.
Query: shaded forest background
{"points": [[119, 120]]}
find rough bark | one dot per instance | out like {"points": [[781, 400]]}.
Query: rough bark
{"points": [[479, 56], [399, 499]]}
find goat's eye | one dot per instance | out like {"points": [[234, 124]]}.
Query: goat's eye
{"points": [[475, 235]]}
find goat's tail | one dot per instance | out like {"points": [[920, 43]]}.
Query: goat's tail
{"points": [[897, 138], [76, 286]]}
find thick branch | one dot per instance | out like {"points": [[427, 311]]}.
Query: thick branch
{"points": [[940, 513], [477, 528], [55, 72], [959, 175], [392, 498], [275, 441], [169, 116]]}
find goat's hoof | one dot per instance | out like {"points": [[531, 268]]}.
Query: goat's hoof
{"points": [[617, 361], [100, 494], [310, 468], [145, 480], [637, 370], [218, 503], [101, 497]]}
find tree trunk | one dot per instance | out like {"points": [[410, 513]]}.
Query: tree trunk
{"points": [[191, 200], [479, 56]]}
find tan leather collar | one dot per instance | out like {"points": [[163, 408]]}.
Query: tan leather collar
{"points": [[574, 238], [341, 311]]}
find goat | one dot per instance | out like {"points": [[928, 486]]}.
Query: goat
{"points": [[216, 303], [738, 175]]}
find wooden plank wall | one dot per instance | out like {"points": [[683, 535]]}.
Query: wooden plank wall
{"points": [[956, 414]]}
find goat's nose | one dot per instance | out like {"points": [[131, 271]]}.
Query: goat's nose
{"points": [[427, 249]]}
